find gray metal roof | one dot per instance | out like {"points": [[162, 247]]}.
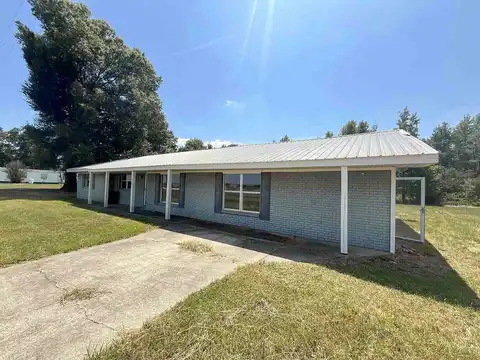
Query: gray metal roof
{"points": [[388, 148]]}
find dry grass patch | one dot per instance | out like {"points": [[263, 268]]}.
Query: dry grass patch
{"points": [[79, 294], [195, 246]]}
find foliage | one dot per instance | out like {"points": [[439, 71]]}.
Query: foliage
{"points": [[194, 144], [352, 127], [408, 122], [96, 98], [15, 171], [285, 139], [19, 144], [457, 177], [329, 134]]}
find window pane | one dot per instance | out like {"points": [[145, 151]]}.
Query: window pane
{"points": [[251, 182], [232, 181], [232, 201], [251, 202], [175, 196], [176, 181], [164, 194]]}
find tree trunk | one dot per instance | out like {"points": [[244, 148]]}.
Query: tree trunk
{"points": [[70, 184]]}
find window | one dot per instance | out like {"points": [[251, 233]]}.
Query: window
{"points": [[125, 181], [161, 185], [241, 192], [85, 180]]}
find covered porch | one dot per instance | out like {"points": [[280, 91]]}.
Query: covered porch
{"points": [[135, 189]]}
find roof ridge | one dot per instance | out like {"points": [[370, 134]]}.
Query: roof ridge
{"points": [[323, 138]]}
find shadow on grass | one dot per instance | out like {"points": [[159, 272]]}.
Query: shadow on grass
{"points": [[415, 268]]}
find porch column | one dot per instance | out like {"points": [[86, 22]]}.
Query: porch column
{"points": [[168, 203], [145, 190], [107, 188], [132, 191], [344, 210], [393, 208], [90, 182]]}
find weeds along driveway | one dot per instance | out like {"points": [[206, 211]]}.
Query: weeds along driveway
{"points": [[62, 306]]}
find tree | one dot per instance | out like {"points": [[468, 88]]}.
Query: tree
{"points": [[329, 134], [285, 139], [15, 171], [349, 128], [408, 122], [442, 140], [194, 144], [96, 99], [352, 127]]}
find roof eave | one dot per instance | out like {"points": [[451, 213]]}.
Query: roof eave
{"points": [[393, 161]]}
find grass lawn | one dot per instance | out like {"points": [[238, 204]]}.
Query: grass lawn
{"points": [[38, 220], [30, 186], [421, 303]]}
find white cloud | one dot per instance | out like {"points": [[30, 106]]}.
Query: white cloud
{"points": [[215, 143], [234, 104]]}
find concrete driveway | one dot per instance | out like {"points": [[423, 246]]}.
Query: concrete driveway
{"points": [[64, 305]]}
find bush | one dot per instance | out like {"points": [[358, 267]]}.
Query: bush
{"points": [[15, 171]]}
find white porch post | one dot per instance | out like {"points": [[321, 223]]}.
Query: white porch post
{"points": [[145, 190], [393, 208], [132, 191], [90, 182], [168, 203], [107, 188], [422, 210], [344, 210]]}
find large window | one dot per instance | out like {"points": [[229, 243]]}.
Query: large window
{"points": [[125, 181], [161, 193], [241, 192]]}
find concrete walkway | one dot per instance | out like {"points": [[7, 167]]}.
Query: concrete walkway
{"points": [[64, 305]]}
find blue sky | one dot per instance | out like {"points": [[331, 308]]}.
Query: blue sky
{"points": [[297, 67]]}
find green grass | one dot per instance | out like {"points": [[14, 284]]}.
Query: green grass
{"points": [[421, 303], [39, 222]]}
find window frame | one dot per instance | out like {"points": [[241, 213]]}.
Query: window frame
{"points": [[160, 187], [123, 179], [85, 180], [241, 192]]}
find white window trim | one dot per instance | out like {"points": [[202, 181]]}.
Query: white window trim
{"points": [[241, 192], [86, 181], [162, 200], [121, 181]]}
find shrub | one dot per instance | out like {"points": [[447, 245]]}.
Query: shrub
{"points": [[15, 171]]}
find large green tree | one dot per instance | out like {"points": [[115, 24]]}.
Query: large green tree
{"points": [[96, 98]]}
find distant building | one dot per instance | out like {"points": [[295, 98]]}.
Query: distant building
{"points": [[35, 176]]}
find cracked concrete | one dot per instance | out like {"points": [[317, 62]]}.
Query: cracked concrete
{"points": [[137, 279]]}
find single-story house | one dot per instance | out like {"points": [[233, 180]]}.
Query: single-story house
{"points": [[339, 190]]}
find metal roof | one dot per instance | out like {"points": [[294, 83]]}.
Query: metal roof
{"points": [[386, 148]]}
